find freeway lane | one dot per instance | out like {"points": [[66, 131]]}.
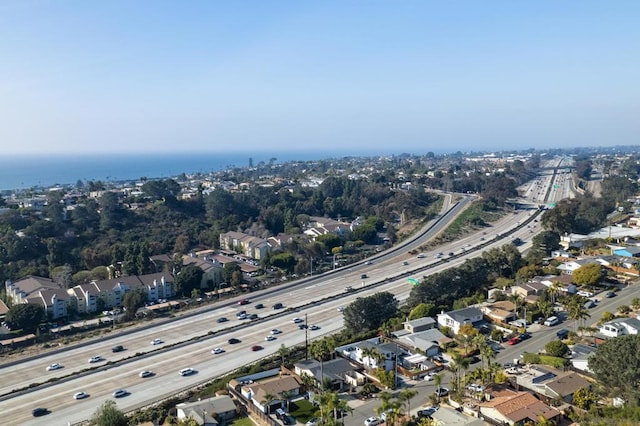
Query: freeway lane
{"points": [[197, 354]]}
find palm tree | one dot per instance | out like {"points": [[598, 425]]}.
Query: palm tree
{"points": [[577, 312], [286, 396], [459, 363], [437, 381], [283, 351], [517, 300], [554, 290], [466, 341], [405, 397], [487, 354], [268, 399]]}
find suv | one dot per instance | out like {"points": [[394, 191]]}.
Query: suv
{"points": [[562, 333], [118, 348], [277, 306], [37, 412]]}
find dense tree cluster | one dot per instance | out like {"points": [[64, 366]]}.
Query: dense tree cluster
{"points": [[369, 313], [616, 365]]}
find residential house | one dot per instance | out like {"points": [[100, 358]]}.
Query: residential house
{"points": [[40, 291], [620, 327], [580, 357], [210, 266], [501, 312], [455, 319], [367, 352], [429, 341], [339, 371], [530, 290], [278, 388], [420, 324], [551, 384], [570, 266], [3, 310], [565, 386], [451, 417], [510, 407], [322, 225], [208, 412]]}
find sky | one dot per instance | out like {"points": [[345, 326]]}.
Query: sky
{"points": [[395, 75]]}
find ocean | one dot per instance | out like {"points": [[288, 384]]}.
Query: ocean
{"points": [[22, 172]]}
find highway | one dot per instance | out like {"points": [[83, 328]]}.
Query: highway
{"points": [[201, 333]]}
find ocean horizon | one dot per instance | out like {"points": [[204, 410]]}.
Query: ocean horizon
{"points": [[28, 171]]}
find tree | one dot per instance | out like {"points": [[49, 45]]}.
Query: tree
{"points": [[133, 300], [25, 316], [588, 275], [283, 351], [556, 348], [188, 279], [584, 398], [405, 396], [369, 313], [616, 365], [267, 400], [108, 414], [228, 269], [422, 310]]}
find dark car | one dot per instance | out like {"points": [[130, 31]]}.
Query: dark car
{"points": [[302, 326], [562, 334], [233, 341], [611, 294], [278, 306], [256, 348], [118, 348], [253, 316], [37, 412], [241, 313], [259, 306], [243, 302], [524, 336], [222, 319]]}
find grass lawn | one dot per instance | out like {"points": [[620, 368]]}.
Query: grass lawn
{"points": [[244, 421], [302, 410]]}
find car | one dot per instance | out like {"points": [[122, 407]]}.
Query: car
{"points": [[610, 294], [253, 317], [118, 348], [37, 412], [314, 327], [442, 392], [276, 331], [256, 348], [80, 395], [585, 293], [187, 371], [241, 313], [243, 302], [96, 358], [270, 338], [302, 326], [450, 253], [429, 377], [278, 306], [372, 421], [222, 319], [405, 263], [297, 320], [513, 341], [368, 262], [524, 336], [233, 341], [145, 373], [420, 256], [426, 412], [157, 342], [120, 393], [340, 309], [312, 422], [474, 387], [259, 306], [243, 317], [217, 351], [54, 366]]}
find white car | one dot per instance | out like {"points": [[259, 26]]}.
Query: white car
{"points": [[340, 309], [217, 351], [269, 338], [146, 373], [420, 256], [120, 393], [80, 395], [314, 327], [156, 342], [372, 421], [54, 366], [275, 331], [429, 377], [96, 358], [187, 371], [297, 320]]}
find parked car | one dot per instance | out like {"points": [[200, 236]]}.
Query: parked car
{"points": [[474, 387], [513, 341], [562, 333], [429, 377], [145, 373], [312, 422], [372, 421], [187, 371], [54, 366], [37, 412], [442, 392], [524, 336], [610, 294]]}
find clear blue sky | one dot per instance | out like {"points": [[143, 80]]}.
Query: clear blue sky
{"points": [[393, 75]]}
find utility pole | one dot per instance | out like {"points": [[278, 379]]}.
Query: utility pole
{"points": [[306, 338]]}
